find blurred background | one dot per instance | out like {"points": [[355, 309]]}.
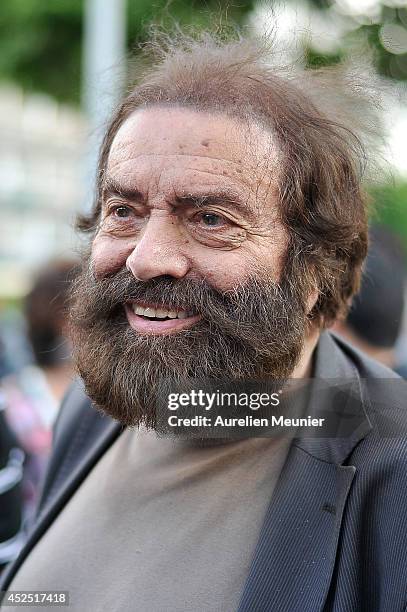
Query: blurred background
{"points": [[63, 66]]}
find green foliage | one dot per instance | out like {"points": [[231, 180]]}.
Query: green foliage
{"points": [[321, 4], [317, 60], [41, 40], [40, 45], [390, 203]]}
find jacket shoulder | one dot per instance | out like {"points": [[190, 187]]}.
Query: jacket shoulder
{"points": [[366, 366]]}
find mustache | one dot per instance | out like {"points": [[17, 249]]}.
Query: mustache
{"points": [[245, 309]]}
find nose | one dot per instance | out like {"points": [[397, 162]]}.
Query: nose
{"points": [[158, 252]]}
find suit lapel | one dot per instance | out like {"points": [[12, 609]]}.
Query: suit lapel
{"points": [[295, 554]]}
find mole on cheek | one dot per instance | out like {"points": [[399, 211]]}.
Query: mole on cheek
{"points": [[205, 143]]}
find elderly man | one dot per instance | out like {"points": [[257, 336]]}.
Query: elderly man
{"points": [[228, 231]]}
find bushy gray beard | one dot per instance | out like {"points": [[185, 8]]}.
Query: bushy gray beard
{"points": [[255, 331]]}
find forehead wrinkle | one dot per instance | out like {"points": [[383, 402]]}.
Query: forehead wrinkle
{"points": [[112, 166], [112, 163], [237, 180]]}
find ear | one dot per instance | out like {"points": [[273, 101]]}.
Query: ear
{"points": [[311, 300]]}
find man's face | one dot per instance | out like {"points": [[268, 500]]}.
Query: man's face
{"points": [[185, 268], [188, 195]]}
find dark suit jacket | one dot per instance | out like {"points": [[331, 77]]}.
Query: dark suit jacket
{"points": [[334, 538]]}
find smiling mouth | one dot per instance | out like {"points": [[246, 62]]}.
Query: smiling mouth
{"points": [[156, 319]]}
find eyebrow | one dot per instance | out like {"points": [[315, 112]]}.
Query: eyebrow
{"points": [[222, 197], [111, 187]]}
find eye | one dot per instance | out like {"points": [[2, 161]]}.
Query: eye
{"points": [[121, 211], [210, 219]]}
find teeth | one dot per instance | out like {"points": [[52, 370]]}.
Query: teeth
{"points": [[149, 312], [160, 313]]}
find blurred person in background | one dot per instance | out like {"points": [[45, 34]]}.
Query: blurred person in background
{"points": [[375, 318], [46, 315], [32, 394], [11, 499]]}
